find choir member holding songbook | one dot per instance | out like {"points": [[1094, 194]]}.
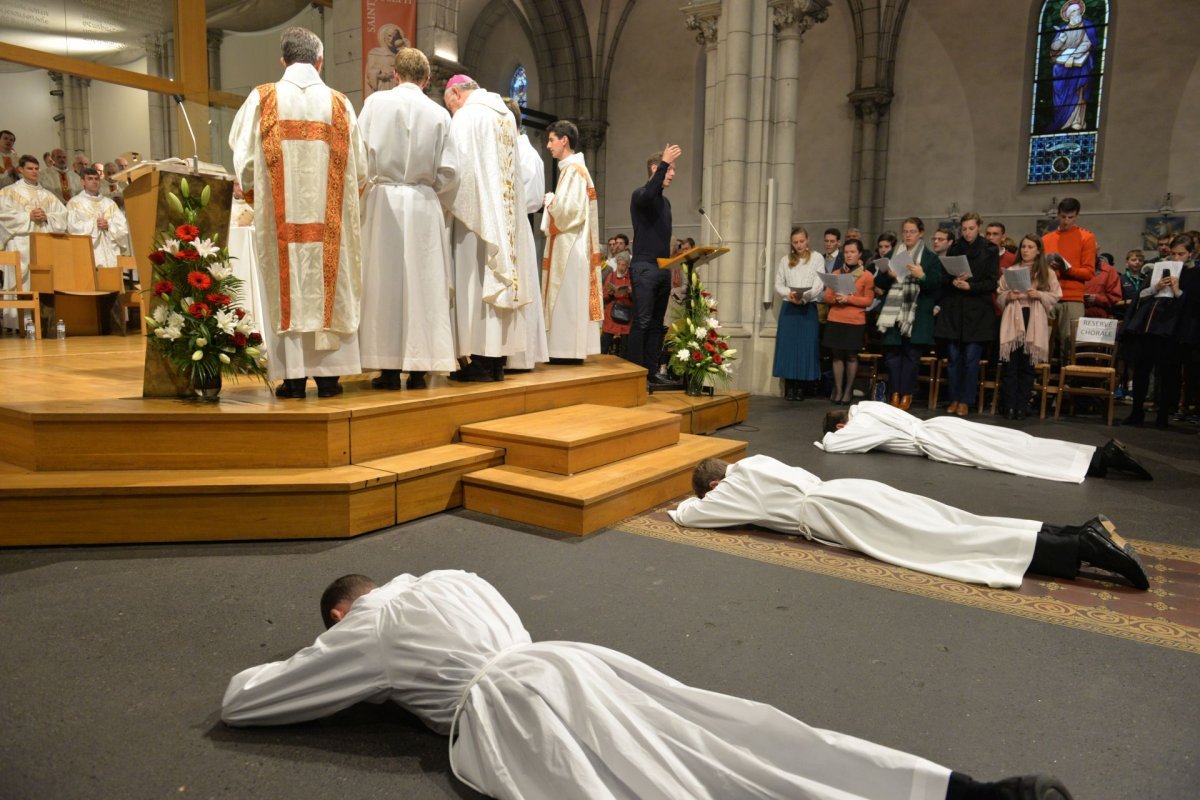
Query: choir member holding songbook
{"points": [[1026, 294]]}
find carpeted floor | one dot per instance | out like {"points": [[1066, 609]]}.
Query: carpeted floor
{"points": [[113, 660]]}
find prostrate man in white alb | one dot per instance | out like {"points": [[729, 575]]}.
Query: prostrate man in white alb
{"points": [[407, 324], [565, 719], [488, 245], [869, 425], [91, 214], [58, 179], [900, 528], [571, 266], [296, 146], [533, 180]]}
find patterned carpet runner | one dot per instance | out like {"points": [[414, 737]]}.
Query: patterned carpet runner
{"points": [[1168, 615]]}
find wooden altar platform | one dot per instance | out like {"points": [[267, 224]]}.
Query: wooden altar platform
{"points": [[85, 459]]}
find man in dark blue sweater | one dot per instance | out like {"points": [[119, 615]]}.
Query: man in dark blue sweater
{"points": [[651, 215]]}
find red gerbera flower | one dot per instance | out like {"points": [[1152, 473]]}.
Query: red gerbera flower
{"points": [[708, 347], [239, 339], [712, 335], [163, 288], [188, 255], [199, 280], [697, 356], [187, 233], [218, 299], [723, 345], [717, 359], [199, 310]]}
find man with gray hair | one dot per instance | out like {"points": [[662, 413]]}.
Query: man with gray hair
{"points": [[300, 160], [57, 179], [488, 244]]}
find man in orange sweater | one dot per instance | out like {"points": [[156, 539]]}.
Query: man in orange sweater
{"points": [[1077, 246]]}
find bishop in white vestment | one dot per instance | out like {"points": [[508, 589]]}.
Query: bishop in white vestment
{"points": [[488, 247], [533, 179], [898, 527], [572, 261], [407, 323], [559, 720], [93, 215], [299, 157]]}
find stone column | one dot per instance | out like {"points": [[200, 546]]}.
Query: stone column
{"points": [[793, 18], [215, 37], [703, 18], [737, 16], [868, 182], [591, 140], [160, 61], [77, 106]]}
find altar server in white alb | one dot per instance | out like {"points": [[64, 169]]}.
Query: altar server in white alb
{"points": [[27, 208], [572, 261], [565, 719], [869, 425], [488, 245], [407, 324], [92, 214], [900, 528], [533, 180], [300, 160]]}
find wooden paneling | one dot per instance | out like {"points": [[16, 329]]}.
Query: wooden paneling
{"points": [[418, 426], [429, 481]]}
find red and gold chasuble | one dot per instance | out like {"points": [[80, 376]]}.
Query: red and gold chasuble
{"points": [[274, 131]]}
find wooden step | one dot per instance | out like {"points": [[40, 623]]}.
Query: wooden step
{"points": [[429, 481], [575, 438], [101, 507], [704, 414], [586, 502]]}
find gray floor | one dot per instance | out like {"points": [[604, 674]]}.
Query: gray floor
{"points": [[113, 659]]}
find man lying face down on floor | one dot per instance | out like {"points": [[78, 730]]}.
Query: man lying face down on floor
{"points": [[870, 425], [904, 529], [565, 719]]}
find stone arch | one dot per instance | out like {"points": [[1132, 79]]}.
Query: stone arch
{"points": [[487, 20]]}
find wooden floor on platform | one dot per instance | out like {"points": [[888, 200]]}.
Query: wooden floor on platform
{"points": [[84, 458]]}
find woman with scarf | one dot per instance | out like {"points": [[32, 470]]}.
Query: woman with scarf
{"points": [[798, 339], [967, 320], [906, 319], [1025, 325]]}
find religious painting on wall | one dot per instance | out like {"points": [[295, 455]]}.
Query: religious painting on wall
{"points": [[1071, 43], [387, 26], [1165, 225]]}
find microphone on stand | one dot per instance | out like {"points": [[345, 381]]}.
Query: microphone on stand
{"points": [[178, 98], [720, 238]]}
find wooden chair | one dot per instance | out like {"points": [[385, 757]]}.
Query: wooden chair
{"points": [[930, 373], [1090, 369], [131, 299], [876, 372], [986, 384], [17, 298], [1045, 384]]}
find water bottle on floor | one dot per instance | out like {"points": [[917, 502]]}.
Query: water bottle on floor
{"points": [[29, 332], [60, 331]]}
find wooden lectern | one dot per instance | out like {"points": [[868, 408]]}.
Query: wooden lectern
{"points": [[149, 214], [698, 256]]}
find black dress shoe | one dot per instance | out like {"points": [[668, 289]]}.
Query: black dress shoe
{"points": [[1030, 787], [291, 389], [329, 386], [388, 379], [1100, 546], [416, 380], [478, 371], [1118, 458]]}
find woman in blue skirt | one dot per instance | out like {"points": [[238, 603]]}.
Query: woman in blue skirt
{"points": [[797, 342]]}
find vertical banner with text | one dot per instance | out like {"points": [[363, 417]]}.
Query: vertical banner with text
{"points": [[387, 25]]}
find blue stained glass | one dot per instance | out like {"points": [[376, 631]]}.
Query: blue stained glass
{"points": [[518, 87], [1063, 157], [1064, 125]]}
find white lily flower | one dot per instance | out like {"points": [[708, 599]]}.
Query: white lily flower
{"points": [[713, 324], [160, 313], [224, 359], [226, 321], [220, 272], [170, 334], [175, 320], [201, 342], [171, 246], [206, 248], [682, 354], [196, 356]]}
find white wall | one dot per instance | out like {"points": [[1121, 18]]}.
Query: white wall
{"points": [[506, 47], [29, 110], [120, 118], [251, 59]]}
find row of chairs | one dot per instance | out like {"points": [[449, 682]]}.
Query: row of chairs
{"points": [[1089, 370]]}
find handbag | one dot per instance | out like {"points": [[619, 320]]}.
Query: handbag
{"points": [[621, 313]]}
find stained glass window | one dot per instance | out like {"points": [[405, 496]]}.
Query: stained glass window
{"points": [[518, 87], [1064, 127]]}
